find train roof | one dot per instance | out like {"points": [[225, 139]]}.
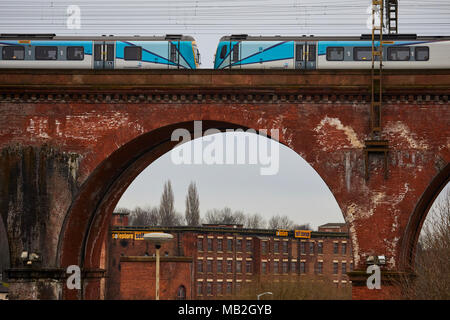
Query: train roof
{"points": [[366, 37], [50, 36]]}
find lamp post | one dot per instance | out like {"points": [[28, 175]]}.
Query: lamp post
{"points": [[261, 294], [157, 238]]}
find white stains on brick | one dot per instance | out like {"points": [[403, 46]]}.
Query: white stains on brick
{"points": [[402, 194], [287, 137], [377, 197], [31, 127], [95, 124], [38, 127], [58, 129], [348, 171], [138, 127], [391, 251], [73, 166], [395, 225], [405, 135], [352, 137], [350, 214]]}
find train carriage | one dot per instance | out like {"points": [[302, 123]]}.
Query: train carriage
{"points": [[106, 52], [399, 52]]}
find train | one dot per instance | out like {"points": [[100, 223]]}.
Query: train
{"points": [[48, 51], [407, 51]]}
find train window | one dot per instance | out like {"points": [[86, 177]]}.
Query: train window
{"points": [[299, 52], [398, 53], [422, 53], [133, 53], [335, 53], [46, 53], [362, 54], [75, 53], [110, 52], [13, 53], [98, 52], [173, 52], [312, 52], [236, 52], [223, 52]]}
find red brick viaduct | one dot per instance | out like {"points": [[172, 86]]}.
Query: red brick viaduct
{"points": [[71, 142]]}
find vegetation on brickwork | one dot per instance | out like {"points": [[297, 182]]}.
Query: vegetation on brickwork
{"points": [[432, 262], [306, 288], [165, 214]]}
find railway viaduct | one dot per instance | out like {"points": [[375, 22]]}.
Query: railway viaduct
{"points": [[71, 142]]}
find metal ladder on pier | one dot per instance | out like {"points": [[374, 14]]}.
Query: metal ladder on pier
{"points": [[375, 145]]}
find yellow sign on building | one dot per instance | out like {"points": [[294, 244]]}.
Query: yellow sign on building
{"points": [[136, 235], [282, 233], [139, 235], [302, 234], [123, 235]]}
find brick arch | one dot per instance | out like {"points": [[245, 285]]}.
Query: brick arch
{"points": [[87, 220], [418, 216]]}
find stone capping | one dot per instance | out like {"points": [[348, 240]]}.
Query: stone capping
{"points": [[153, 259], [31, 273], [15, 274], [175, 97]]}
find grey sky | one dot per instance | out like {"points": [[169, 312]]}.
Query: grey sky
{"points": [[297, 190]]}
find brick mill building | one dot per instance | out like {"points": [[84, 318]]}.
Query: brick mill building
{"points": [[212, 261]]}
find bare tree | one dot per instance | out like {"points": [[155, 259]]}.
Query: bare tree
{"points": [[166, 207], [192, 206], [122, 210], [153, 216], [432, 265], [224, 216], [255, 221], [178, 220], [213, 216], [144, 216], [280, 222]]}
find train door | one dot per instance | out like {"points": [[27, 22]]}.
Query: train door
{"points": [[98, 54], [305, 55], [104, 54], [235, 55], [110, 54], [174, 54], [311, 51], [299, 55]]}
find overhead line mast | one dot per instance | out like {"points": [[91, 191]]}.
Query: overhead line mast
{"points": [[391, 9], [375, 145]]}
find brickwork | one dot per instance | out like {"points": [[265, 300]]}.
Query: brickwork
{"points": [[72, 141], [137, 278]]}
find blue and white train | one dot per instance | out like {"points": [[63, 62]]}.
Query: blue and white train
{"points": [[308, 52], [47, 51]]}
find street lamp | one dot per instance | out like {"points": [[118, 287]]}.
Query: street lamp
{"points": [[157, 238], [261, 294]]}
